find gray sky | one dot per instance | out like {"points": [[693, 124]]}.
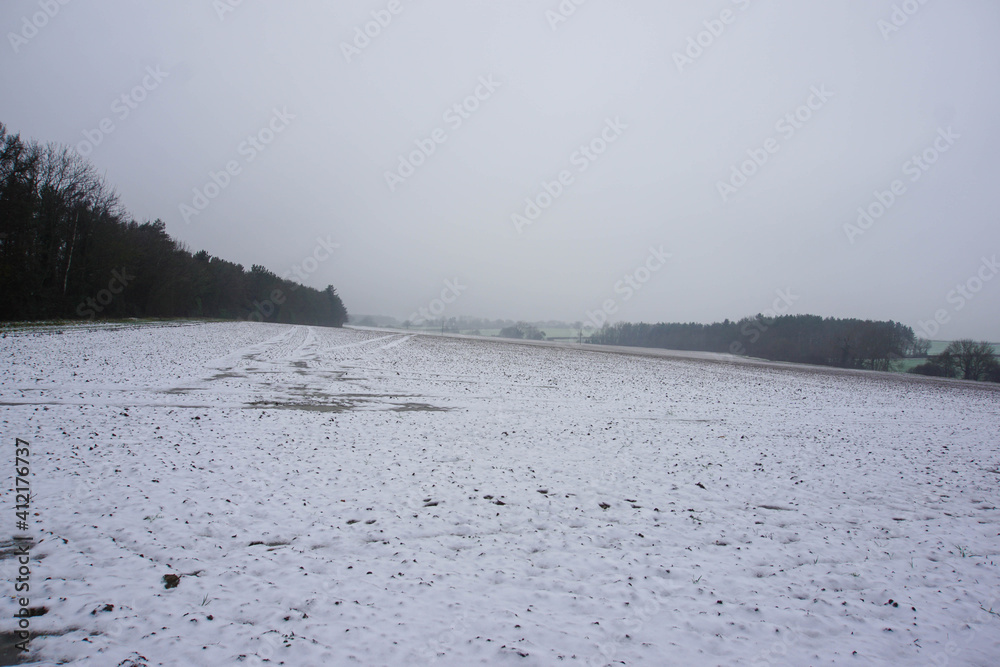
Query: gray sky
{"points": [[667, 98]]}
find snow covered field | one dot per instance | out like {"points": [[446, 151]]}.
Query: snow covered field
{"points": [[338, 497]]}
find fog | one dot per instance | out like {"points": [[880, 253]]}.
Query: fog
{"points": [[657, 161]]}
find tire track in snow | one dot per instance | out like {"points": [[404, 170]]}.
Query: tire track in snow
{"points": [[228, 362], [359, 344], [404, 339]]}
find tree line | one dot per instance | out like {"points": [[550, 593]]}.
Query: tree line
{"points": [[68, 249], [809, 339], [523, 331], [965, 359]]}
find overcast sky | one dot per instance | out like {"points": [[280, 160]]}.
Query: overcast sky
{"points": [[738, 137]]}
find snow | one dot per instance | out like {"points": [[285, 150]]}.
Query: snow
{"points": [[337, 497]]}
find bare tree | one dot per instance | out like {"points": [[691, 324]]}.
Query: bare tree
{"points": [[973, 360], [920, 347]]}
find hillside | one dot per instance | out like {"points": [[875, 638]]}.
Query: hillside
{"points": [[328, 496]]}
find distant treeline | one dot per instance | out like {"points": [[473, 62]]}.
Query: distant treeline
{"points": [[810, 339], [460, 323], [69, 250], [965, 359]]}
